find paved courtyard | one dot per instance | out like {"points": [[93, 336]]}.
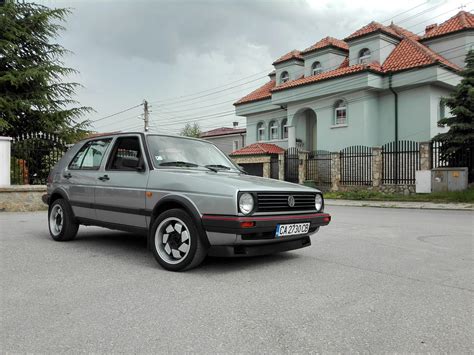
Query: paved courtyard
{"points": [[374, 280]]}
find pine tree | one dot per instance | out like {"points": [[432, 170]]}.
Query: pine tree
{"points": [[459, 140], [33, 96]]}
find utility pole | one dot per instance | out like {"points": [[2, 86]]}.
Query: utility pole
{"points": [[145, 114]]}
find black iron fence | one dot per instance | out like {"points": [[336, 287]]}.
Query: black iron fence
{"points": [[356, 165], [318, 168], [462, 158], [399, 162], [33, 155], [292, 161]]}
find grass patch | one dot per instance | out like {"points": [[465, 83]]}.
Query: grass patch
{"points": [[466, 196]]}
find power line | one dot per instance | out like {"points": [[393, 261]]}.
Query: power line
{"points": [[116, 113]]}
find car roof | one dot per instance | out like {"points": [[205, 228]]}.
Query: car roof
{"points": [[106, 135]]}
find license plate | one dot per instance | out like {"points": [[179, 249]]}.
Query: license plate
{"points": [[284, 230]]}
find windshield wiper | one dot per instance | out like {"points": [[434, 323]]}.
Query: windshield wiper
{"points": [[188, 165], [217, 166]]}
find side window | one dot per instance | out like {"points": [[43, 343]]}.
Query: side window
{"points": [[90, 156], [126, 155]]}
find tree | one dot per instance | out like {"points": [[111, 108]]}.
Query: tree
{"points": [[459, 140], [191, 130], [33, 96]]}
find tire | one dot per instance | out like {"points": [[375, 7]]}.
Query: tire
{"points": [[175, 241], [61, 222]]}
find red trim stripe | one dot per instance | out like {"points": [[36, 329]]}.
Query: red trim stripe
{"points": [[269, 218]]}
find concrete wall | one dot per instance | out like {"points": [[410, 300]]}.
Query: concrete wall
{"points": [[21, 198], [453, 47], [380, 47], [330, 59]]}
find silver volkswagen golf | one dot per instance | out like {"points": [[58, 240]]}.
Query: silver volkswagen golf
{"points": [[186, 195]]}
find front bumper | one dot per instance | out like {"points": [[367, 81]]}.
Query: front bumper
{"points": [[260, 225]]}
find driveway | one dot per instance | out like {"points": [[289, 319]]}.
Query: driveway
{"points": [[374, 280]]}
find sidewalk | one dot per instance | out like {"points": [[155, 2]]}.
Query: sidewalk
{"points": [[399, 204]]}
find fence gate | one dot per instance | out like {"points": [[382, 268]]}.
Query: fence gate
{"points": [[318, 168], [292, 161], [463, 158], [356, 165], [399, 162], [274, 167], [33, 155]]}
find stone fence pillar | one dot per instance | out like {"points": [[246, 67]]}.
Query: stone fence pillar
{"points": [[281, 166], [5, 155], [377, 166], [302, 156], [335, 171], [426, 159]]}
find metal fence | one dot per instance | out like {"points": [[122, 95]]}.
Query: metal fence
{"points": [[318, 168], [291, 165], [33, 155], [463, 158], [399, 162], [356, 165]]}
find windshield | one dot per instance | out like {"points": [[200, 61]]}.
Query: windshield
{"points": [[174, 151]]}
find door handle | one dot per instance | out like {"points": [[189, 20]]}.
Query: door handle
{"points": [[67, 175], [104, 178]]}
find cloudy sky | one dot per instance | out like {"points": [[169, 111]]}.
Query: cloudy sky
{"points": [[192, 59]]}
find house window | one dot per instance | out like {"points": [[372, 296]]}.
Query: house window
{"points": [[364, 56], [340, 113], [316, 68], [260, 131], [284, 129], [273, 130], [284, 77], [235, 145], [442, 110]]}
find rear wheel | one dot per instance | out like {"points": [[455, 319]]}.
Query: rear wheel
{"points": [[62, 226], [176, 242]]}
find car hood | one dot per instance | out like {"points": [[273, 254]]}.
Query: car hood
{"points": [[221, 183]]}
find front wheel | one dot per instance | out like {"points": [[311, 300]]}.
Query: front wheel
{"points": [[62, 226], [176, 242]]}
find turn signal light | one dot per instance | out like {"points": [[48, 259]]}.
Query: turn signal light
{"points": [[327, 219], [247, 224]]}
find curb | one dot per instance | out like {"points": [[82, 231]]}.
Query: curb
{"points": [[399, 204]]}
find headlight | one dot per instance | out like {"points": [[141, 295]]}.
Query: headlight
{"points": [[318, 202], [246, 203]]}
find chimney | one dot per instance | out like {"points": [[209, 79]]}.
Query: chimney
{"points": [[235, 124], [431, 27]]}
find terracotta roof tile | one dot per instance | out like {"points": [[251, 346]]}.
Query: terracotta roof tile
{"points": [[461, 21], [222, 131], [371, 28], [404, 32], [327, 42], [259, 149], [411, 54], [261, 93], [342, 71], [294, 54]]}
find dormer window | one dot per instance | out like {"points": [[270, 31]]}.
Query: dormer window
{"points": [[261, 132], [364, 56], [284, 77], [316, 68]]}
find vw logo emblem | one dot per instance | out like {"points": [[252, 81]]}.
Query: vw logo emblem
{"points": [[291, 201]]}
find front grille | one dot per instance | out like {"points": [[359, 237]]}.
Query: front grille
{"points": [[278, 201]]}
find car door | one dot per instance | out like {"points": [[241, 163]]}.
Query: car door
{"points": [[81, 175], [120, 193]]}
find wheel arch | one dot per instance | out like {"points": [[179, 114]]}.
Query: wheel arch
{"points": [[56, 194], [174, 201]]}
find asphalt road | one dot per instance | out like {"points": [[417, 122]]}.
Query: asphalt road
{"points": [[374, 280]]}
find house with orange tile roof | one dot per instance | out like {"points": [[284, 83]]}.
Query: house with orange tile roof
{"points": [[227, 139], [378, 84]]}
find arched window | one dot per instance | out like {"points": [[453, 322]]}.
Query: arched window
{"points": [[364, 55], [284, 129], [316, 68], [261, 131], [284, 77], [340, 113], [273, 130]]}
